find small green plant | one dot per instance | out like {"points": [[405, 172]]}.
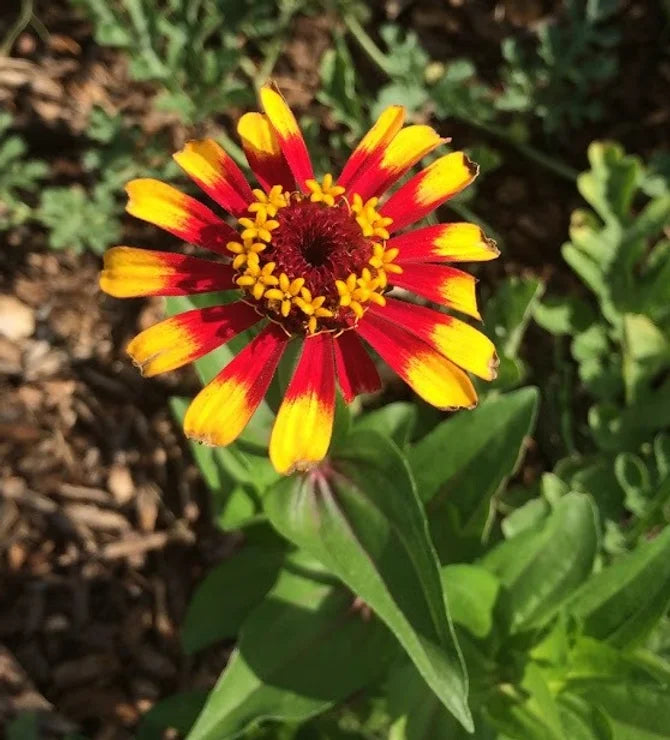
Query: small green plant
{"points": [[558, 80], [621, 252], [79, 217], [19, 177], [194, 50]]}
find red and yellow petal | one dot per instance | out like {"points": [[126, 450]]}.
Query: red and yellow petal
{"points": [[219, 413], [185, 217], [455, 242], [373, 144], [356, 372], [186, 337], [214, 171], [454, 339], [129, 272], [441, 284], [304, 425], [437, 380], [422, 194], [288, 134], [406, 148], [263, 152]]}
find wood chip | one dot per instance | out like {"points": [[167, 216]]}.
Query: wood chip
{"points": [[97, 518], [120, 483], [84, 493], [17, 321]]}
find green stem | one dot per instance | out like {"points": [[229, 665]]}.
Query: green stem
{"points": [[557, 167], [564, 396], [259, 76], [367, 44], [266, 69], [25, 16], [381, 60]]}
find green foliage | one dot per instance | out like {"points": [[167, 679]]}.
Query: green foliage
{"points": [[366, 524], [193, 50], [621, 344], [559, 78], [78, 217], [19, 177], [307, 622], [405, 65]]}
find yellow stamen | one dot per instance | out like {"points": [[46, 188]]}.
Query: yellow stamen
{"points": [[284, 295], [258, 228], [356, 291], [372, 223], [312, 307], [257, 279], [245, 253], [325, 191], [268, 204], [382, 261]]}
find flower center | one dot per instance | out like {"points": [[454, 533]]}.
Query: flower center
{"points": [[313, 263], [318, 242]]}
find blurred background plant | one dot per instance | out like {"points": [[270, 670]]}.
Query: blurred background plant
{"points": [[545, 522]]}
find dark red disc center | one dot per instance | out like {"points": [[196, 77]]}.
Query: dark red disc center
{"points": [[319, 243]]}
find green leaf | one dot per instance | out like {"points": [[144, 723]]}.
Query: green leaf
{"points": [[525, 517], [633, 476], [338, 86], [236, 476], [563, 314], [395, 420], [592, 661], [471, 592], [541, 568], [177, 712], [518, 714], [303, 649], [418, 714], [646, 351], [636, 711], [623, 602], [581, 720], [79, 220], [227, 594], [478, 450], [24, 727], [360, 516], [610, 184], [509, 311]]}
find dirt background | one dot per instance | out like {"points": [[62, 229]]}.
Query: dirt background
{"points": [[104, 521]]}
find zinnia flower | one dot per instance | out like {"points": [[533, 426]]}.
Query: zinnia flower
{"points": [[312, 259]]}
